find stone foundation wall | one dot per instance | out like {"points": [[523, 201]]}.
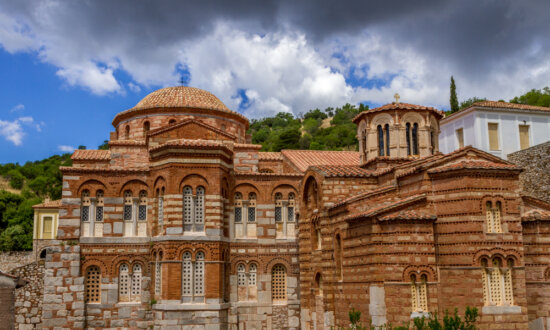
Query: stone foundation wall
{"points": [[14, 259], [535, 161], [28, 298]]}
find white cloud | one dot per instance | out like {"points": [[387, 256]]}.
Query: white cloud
{"points": [[14, 130], [18, 108], [66, 148], [134, 87], [99, 80]]}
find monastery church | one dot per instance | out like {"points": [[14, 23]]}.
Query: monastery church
{"points": [[184, 224]]}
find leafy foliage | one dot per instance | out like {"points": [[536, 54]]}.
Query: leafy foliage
{"points": [[284, 131], [467, 103], [36, 181], [539, 97], [453, 100]]}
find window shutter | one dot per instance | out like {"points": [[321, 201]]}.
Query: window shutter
{"points": [[523, 136], [493, 136]]}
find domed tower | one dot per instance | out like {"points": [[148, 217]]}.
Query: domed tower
{"points": [[397, 132], [171, 105]]}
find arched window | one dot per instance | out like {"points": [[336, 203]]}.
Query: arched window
{"points": [[146, 127], [199, 274], [364, 143], [381, 149], [238, 207], [387, 129], [187, 208], [245, 215], [252, 207], [199, 206], [338, 256], [493, 217], [124, 283], [99, 206], [419, 298], [128, 205], [252, 269], [127, 132], [142, 208], [92, 284], [86, 202], [497, 282], [319, 284], [408, 136], [278, 283], [136, 283], [158, 274], [284, 215], [241, 275], [433, 140], [128, 215], [415, 139], [187, 276], [160, 207]]}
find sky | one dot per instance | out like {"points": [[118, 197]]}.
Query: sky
{"points": [[67, 67]]}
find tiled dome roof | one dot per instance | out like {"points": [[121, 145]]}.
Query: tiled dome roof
{"points": [[181, 97]]}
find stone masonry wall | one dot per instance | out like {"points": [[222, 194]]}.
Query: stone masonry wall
{"points": [[11, 260], [535, 161], [28, 298]]}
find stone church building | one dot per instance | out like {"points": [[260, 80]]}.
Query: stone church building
{"points": [[184, 224]]}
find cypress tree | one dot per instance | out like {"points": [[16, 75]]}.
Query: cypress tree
{"points": [[454, 99]]}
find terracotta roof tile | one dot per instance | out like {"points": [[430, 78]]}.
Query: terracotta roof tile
{"points": [[479, 165], [247, 146], [342, 171], [270, 156], [501, 105], [199, 144], [186, 122], [110, 169], [535, 215], [180, 97], [302, 159], [398, 106], [240, 173], [47, 204], [127, 143], [91, 155]]}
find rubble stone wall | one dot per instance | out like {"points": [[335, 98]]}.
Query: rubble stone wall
{"points": [[535, 161], [28, 298], [14, 259]]}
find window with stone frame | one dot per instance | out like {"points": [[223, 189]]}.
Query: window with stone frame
{"points": [[419, 293], [278, 284], [90, 213], [99, 206], [128, 203], [86, 203], [411, 131], [160, 209], [338, 249], [142, 206], [364, 144], [493, 217], [193, 209], [244, 220], [135, 294], [246, 282], [124, 283], [158, 274], [193, 275], [92, 285], [497, 281], [284, 215]]}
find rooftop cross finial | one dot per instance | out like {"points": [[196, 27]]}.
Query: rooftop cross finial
{"points": [[397, 97], [182, 81]]}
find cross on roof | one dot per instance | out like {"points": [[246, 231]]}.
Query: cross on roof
{"points": [[397, 97], [182, 81]]}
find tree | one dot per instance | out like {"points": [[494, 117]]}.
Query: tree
{"points": [[81, 147], [104, 145], [454, 99], [538, 97], [467, 103]]}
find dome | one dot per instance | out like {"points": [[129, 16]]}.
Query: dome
{"points": [[181, 97]]}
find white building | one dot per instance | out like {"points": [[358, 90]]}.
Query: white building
{"points": [[499, 128]]}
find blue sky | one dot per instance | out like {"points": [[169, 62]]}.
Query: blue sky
{"points": [[67, 67]]}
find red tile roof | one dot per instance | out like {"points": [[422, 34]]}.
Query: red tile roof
{"points": [[501, 105], [47, 204], [535, 215], [197, 144], [270, 156], [170, 127], [91, 155], [240, 173], [475, 165], [342, 171], [127, 143], [302, 159], [398, 106]]}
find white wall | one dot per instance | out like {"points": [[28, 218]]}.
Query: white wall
{"points": [[476, 132]]}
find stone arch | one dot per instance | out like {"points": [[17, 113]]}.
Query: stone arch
{"points": [[311, 194], [194, 249], [193, 180], [419, 270], [96, 262], [135, 186], [160, 181], [246, 188], [381, 119], [277, 260], [496, 252], [130, 260], [285, 188], [412, 117], [92, 185]]}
